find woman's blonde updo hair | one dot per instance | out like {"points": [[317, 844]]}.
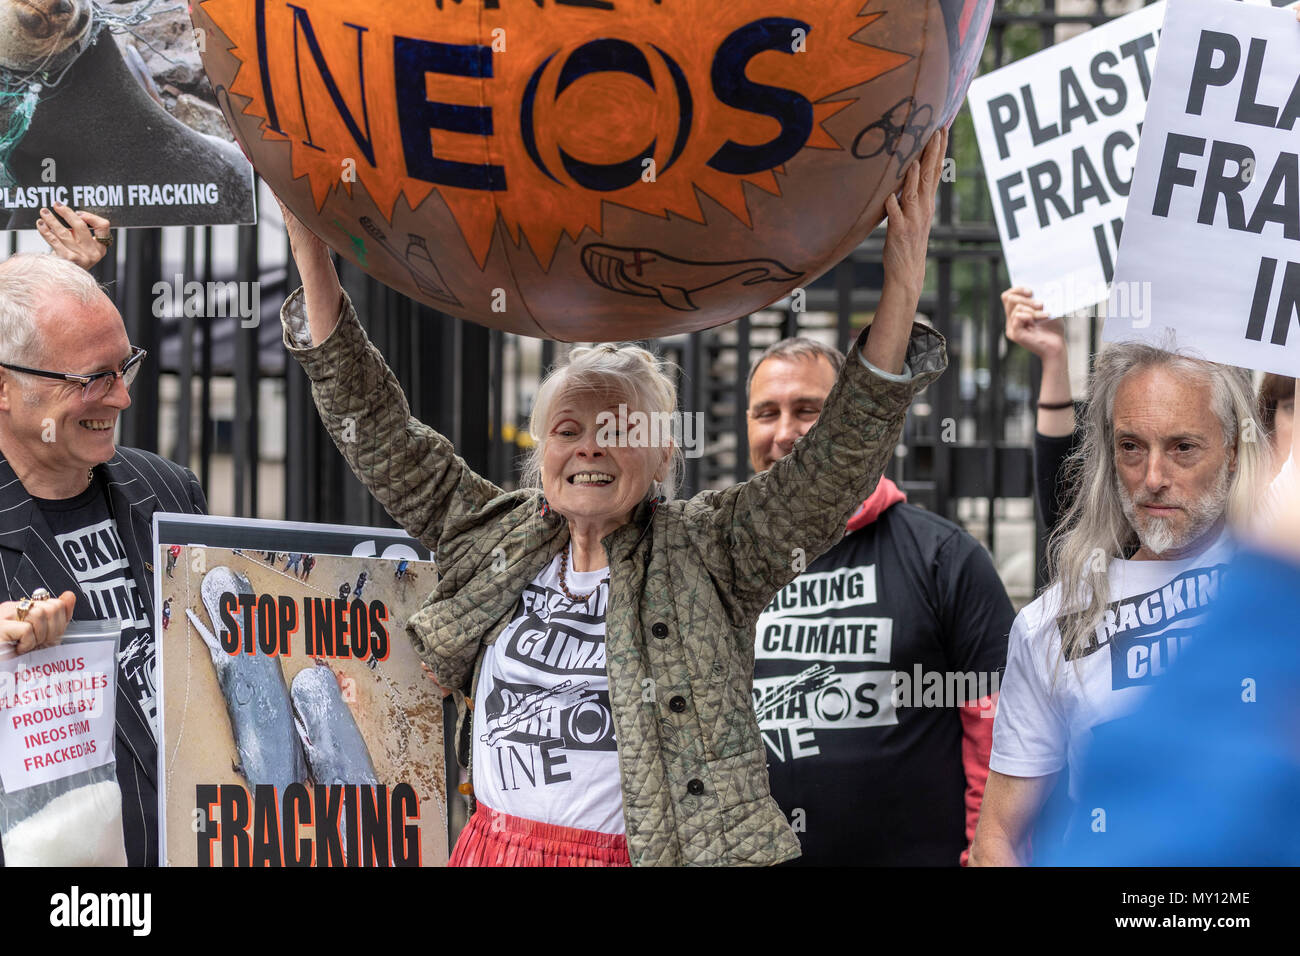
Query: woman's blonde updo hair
{"points": [[644, 381]]}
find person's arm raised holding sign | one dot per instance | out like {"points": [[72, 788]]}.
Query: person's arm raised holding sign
{"points": [[1028, 325], [1055, 438], [82, 238]]}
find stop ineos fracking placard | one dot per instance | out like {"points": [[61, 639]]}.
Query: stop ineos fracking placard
{"points": [[1213, 222]]}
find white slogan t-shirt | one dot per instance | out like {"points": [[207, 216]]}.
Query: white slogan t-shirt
{"points": [[1046, 712], [543, 734]]}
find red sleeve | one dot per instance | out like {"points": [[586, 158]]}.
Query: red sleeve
{"points": [[976, 743]]}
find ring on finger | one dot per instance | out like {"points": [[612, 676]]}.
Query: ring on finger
{"points": [[105, 240], [40, 594], [24, 606]]}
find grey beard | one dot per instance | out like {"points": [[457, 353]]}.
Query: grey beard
{"points": [[1158, 535]]}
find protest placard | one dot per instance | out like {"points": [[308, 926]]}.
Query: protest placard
{"points": [[1213, 224], [56, 712], [105, 107], [1058, 133], [60, 802], [298, 727]]}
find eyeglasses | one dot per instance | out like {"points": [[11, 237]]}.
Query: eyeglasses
{"points": [[94, 386]]}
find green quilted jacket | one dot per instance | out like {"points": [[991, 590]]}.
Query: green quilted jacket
{"points": [[688, 579]]}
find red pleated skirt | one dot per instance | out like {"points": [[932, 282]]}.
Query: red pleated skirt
{"points": [[498, 839]]}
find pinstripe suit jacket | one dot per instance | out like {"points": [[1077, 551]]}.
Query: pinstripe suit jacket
{"points": [[139, 483]]}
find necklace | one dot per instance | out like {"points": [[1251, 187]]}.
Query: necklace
{"points": [[575, 598]]}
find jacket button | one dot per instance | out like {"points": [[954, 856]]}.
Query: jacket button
{"points": [[660, 629], [695, 787], [465, 788], [677, 705]]}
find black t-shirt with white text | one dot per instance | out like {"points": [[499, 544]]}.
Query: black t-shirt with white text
{"points": [[861, 780], [87, 540]]}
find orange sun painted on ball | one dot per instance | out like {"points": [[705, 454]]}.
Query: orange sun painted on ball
{"points": [[543, 112]]}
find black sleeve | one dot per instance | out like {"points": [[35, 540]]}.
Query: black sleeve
{"points": [[975, 612], [1050, 454]]}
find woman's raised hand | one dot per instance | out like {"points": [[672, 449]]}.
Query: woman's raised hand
{"points": [[322, 291], [911, 213], [1029, 326], [907, 239]]}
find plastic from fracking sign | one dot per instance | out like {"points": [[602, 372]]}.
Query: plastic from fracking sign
{"points": [[1058, 133], [591, 169], [298, 727], [105, 108], [1211, 242]]}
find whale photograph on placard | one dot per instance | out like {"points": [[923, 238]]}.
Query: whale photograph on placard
{"points": [[298, 727]]}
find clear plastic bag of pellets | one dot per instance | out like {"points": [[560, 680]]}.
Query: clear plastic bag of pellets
{"points": [[60, 803]]}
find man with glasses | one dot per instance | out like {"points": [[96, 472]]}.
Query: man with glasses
{"points": [[75, 509]]}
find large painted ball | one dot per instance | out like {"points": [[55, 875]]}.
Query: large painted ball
{"points": [[590, 169]]}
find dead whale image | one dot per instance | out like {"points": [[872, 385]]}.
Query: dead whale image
{"points": [[257, 700], [336, 751], [70, 97]]}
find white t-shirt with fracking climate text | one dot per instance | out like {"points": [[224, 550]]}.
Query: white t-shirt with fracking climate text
{"points": [[543, 742], [1046, 712]]}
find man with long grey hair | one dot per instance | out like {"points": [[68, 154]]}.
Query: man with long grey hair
{"points": [[1171, 454]]}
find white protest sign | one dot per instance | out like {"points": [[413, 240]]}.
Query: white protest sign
{"points": [[1058, 135], [56, 712], [1213, 225]]}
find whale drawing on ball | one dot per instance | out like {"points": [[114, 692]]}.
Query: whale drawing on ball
{"points": [[261, 714], [672, 280]]}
